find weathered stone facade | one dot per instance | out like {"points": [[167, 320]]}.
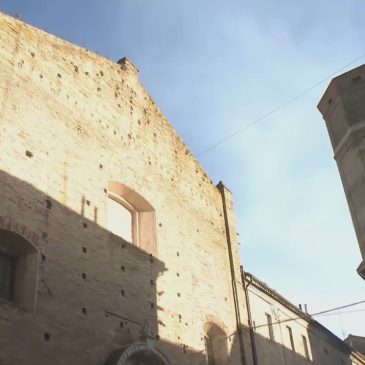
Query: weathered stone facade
{"points": [[343, 108], [71, 124]]}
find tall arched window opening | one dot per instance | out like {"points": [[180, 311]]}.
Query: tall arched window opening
{"points": [[215, 345], [131, 217], [18, 269]]}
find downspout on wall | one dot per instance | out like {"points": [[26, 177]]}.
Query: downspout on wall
{"points": [[252, 334], [222, 190]]}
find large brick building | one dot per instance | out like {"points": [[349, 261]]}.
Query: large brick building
{"points": [[114, 243]]}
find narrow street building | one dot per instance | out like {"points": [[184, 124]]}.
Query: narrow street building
{"points": [[284, 334]]}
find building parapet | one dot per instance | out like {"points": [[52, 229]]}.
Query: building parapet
{"points": [[253, 280], [250, 279]]}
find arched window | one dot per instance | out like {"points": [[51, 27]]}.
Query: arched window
{"points": [[215, 345], [18, 269], [131, 217]]}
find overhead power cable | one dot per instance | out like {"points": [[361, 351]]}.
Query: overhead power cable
{"points": [[314, 314], [281, 106], [337, 308], [336, 314]]}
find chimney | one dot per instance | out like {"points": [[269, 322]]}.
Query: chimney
{"points": [[128, 65]]}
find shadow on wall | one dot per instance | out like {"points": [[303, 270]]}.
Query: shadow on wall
{"points": [[327, 349], [91, 292], [323, 349], [91, 296]]}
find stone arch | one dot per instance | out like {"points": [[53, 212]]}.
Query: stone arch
{"points": [[10, 224], [211, 320], [138, 353], [134, 198]]}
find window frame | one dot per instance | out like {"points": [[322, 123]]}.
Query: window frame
{"points": [[270, 326], [291, 338], [144, 232], [306, 348], [216, 347], [134, 214]]}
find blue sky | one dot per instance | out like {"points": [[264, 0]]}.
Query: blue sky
{"points": [[214, 67]]}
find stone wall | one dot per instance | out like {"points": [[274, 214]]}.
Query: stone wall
{"points": [[71, 122]]}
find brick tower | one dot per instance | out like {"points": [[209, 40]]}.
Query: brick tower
{"points": [[343, 109]]}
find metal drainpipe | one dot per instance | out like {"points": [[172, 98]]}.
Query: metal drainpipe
{"points": [[281, 335], [220, 187], [252, 334]]}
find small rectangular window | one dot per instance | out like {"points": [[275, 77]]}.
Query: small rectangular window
{"points": [[7, 275], [269, 324], [305, 345], [291, 338]]}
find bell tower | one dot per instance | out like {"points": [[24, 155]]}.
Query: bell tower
{"points": [[343, 109]]}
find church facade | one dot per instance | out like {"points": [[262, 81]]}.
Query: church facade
{"points": [[115, 246]]}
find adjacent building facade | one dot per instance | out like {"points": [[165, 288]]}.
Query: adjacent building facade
{"points": [[283, 334], [343, 109]]}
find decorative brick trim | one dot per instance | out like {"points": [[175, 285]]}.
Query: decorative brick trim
{"points": [[140, 347], [213, 320]]}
